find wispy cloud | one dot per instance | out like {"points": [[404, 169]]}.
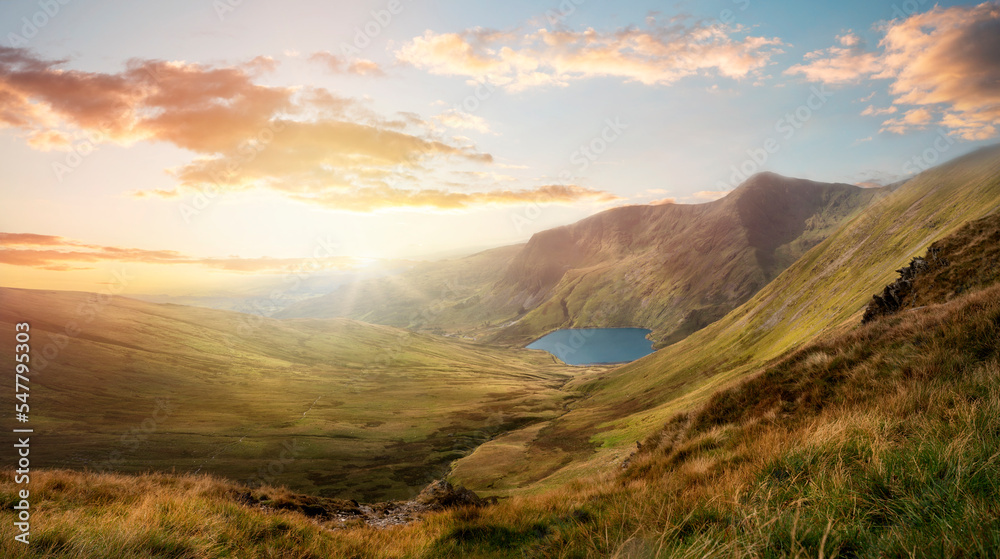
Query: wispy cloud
{"points": [[658, 54], [848, 62]]}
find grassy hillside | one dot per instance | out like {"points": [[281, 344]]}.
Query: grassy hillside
{"points": [[878, 441], [330, 407], [822, 292]]}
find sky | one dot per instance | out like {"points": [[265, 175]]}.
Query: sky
{"points": [[183, 143]]}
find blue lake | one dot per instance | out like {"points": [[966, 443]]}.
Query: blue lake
{"points": [[592, 346]]}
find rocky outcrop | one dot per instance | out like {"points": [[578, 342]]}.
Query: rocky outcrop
{"points": [[442, 495], [894, 296]]}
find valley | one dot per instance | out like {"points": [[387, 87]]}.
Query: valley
{"points": [[330, 407]]}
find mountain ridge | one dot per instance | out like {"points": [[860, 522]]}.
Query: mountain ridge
{"points": [[638, 265]]}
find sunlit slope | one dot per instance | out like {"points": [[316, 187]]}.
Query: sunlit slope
{"points": [[330, 407], [827, 287]]}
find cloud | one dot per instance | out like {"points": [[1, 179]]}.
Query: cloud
{"points": [[849, 62], [659, 54], [455, 118], [872, 111], [307, 144], [380, 198], [915, 119], [341, 65], [709, 195], [61, 254], [945, 61], [663, 202], [363, 67], [194, 107]]}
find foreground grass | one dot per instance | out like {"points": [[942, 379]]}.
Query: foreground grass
{"points": [[881, 442]]}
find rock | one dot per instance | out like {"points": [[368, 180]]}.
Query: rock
{"points": [[893, 296], [441, 495]]}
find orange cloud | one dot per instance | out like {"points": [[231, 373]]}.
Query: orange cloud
{"points": [[189, 105], [945, 62], [655, 56], [307, 144], [61, 254], [915, 119]]}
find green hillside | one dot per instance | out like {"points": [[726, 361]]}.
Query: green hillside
{"points": [[330, 407], [820, 293]]}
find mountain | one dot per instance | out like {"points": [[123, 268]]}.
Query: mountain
{"points": [[331, 407], [671, 268]]}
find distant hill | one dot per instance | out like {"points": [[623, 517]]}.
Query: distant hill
{"points": [[671, 268]]}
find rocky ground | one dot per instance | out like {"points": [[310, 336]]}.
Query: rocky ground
{"points": [[340, 513]]}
